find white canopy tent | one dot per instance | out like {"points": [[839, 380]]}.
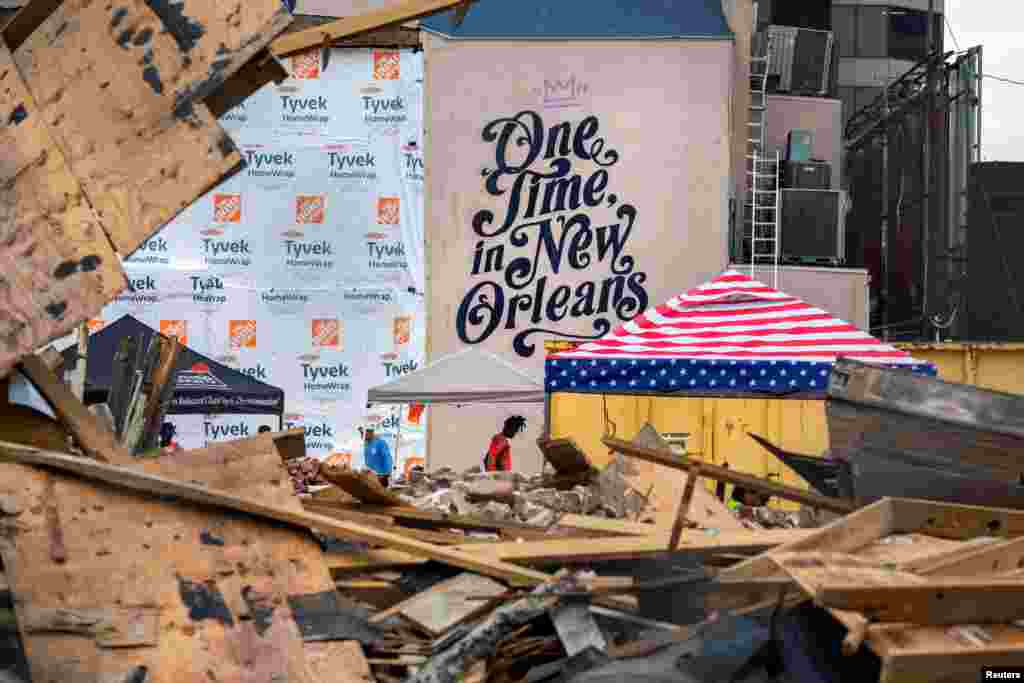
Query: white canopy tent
{"points": [[467, 377]]}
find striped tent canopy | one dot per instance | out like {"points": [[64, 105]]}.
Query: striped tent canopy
{"points": [[731, 336]]}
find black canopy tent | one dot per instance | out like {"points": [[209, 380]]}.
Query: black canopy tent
{"points": [[203, 386]]}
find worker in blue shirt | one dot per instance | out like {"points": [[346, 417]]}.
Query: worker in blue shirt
{"points": [[377, 456]]}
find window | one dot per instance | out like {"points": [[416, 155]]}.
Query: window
{"points": [[908, 34]]}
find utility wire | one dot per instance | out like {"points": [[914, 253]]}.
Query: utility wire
{"points": [[956, 43], [1003, 79]]}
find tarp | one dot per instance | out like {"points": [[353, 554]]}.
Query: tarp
{"points": [[467, 377], [728, 337], [204, 386]]}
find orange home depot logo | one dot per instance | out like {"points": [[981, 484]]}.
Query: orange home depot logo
{"points": [[306, 66], [342, 459], [96, 325], [402, 330], [413, 462], [227, 208], [242, 334], [310, 208], [175, 328], [388, 210], [387, 65], [327, 334]]}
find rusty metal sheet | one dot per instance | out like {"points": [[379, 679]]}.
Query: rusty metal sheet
{"points": [[115, 90], [57, 267]]}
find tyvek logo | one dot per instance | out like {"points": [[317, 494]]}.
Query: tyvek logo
{"points": [[306, 65], [389, 210], [175, 328], [310, 209], [387, 65], [242, 334], [199, 376], [326, 334], [219, 432], [402, 330], [399, 369]]}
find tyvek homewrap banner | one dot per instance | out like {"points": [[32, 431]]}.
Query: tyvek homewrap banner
{"points": [[298, 269]]}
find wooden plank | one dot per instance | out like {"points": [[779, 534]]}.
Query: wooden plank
{"points": [[163, 380], [412, 516], [990, 558], [370, 560], [78, 377], [114, 88], [94, 438], [684, 507], [48, 285], [362, 486], [669, 459], [594, 549], [447, 604], [27, 20], [935, 602], [260, 71], [619, 527], [390, 14], [940, 654], [159, 486], [949, 520]]}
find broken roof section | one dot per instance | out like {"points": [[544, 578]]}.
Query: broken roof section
{"points": [[584, 20]]}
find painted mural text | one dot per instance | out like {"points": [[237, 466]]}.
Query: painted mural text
{"points": [[550, 226]]}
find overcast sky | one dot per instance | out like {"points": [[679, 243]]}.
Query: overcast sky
{"points": [[995, 24]]}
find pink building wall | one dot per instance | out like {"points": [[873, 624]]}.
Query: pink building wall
{"points": [[657, 115]]}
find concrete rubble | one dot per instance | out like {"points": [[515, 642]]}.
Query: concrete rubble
{"points": [[513, 497]]}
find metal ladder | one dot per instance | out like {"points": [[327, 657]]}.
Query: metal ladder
{"points": [[761, 209]]}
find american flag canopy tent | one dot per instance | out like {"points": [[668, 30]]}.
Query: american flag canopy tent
{"points": [[731, 336]]}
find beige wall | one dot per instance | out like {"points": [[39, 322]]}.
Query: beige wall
{"points": [[823, 117], [663, 107]]}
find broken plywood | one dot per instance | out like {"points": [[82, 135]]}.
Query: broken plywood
{"points": [[221, 583], [705, 510], [449, 603], [58, 267], [107, 78], [362, 486]]}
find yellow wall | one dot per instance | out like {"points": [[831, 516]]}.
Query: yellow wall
{"points": [[718, 427]]}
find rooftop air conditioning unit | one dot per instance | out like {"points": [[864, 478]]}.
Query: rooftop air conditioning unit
{"points": [[801, 59]]}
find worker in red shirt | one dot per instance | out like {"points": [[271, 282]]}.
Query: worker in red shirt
{"points": [[499, 453]]}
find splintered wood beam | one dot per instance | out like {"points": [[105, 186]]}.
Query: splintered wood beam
{"points": [[94, 438], [670, 459], [161, 486], [684, 507], [991, 558], [947, 602], [393, 13], [950, 520], [626, 547]]}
